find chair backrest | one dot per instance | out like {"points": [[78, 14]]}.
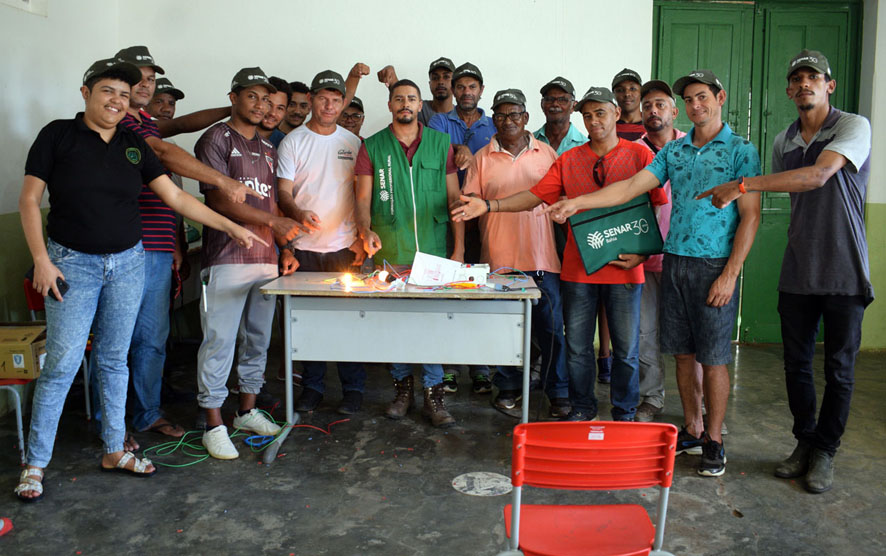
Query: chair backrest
{"points": [[33, 298], [598, 455]]}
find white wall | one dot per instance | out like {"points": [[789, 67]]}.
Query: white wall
{"points": [[515, 43], [42, 65], [202, 43]]}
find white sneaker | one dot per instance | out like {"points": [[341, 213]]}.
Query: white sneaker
{"points": [[218, 443], [256, 422]]}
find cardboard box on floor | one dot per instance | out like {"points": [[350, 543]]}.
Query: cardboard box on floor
{"points": [[22, 349]]}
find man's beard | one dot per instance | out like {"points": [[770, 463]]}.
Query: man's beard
{"points": [[407, 119], [806, 107], [658, 126]]}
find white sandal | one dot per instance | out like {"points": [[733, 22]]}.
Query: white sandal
{"points": [[138, 469], [26, 483]]}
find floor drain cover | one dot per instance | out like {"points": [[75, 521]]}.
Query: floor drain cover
{"points": [[481, 483]]}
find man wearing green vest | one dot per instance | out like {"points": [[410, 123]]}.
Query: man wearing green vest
{"points": [[406, 181]]}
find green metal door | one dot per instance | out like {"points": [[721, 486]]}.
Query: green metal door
{"points": [[716, 37], [784, 30]]}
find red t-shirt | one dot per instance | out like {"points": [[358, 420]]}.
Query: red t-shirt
{"points": [[572, 175]]}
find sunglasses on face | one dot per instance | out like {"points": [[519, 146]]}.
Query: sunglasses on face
{"points": [[599, 172]]}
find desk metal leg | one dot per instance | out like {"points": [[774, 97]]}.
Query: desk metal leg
{"points": [[527, 338], [270, 454]]}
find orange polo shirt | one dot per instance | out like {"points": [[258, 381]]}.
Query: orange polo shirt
{"points": [[521, 240]]}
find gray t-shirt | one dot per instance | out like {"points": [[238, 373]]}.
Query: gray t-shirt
{"points": [[426, 113], [827, 252]]}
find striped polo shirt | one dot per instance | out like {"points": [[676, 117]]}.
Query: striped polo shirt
{"points": [[158, 220]]}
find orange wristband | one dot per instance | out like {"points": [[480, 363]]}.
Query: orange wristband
{"points": [[741, 186]]}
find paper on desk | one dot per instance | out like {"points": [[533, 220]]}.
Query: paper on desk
{"points": [[428, 270]]}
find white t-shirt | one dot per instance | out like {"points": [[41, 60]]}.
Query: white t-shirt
{"points": [[321, 168]]}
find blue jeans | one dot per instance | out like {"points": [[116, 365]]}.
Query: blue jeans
{"points": [[351, 375], [432, 373], [622, 303], [148, 350], [842, 316], [106, 288], [547, 326]]}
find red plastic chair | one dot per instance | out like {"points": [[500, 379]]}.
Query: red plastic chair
{"points": [[596, 455], [36, 302]]}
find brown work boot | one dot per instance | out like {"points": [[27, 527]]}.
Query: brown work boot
{"points": [[404, 398], [434, 408]]}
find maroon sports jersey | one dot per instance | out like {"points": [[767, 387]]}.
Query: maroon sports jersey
{"points": [[252, 162]]}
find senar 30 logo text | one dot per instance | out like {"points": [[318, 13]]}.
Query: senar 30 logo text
{"points": [[601, 237]]}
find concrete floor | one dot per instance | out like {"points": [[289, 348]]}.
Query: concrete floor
{"points": [[373, 486]]}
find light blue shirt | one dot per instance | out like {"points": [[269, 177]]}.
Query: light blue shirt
{"points": [[573, 138], [698, 229]]}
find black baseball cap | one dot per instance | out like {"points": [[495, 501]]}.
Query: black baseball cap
{"points": [[247, 77], [441, 62], [559, 82], [467, 70], [656, 85], [357, 103], [328, 80], [596, 94], [165, 86], [139, 57], [626, 75], [512, 96], [812, 59], [705, 76], [101, 67]]}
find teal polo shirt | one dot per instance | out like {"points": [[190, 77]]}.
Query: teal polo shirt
{"points": [[573, 138], [698, 229]]}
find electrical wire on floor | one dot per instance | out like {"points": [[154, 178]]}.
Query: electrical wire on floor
{"points": [[194, 449], [197, 452]]}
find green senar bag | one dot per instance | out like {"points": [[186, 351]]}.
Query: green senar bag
{"points": [[603, 234]]}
